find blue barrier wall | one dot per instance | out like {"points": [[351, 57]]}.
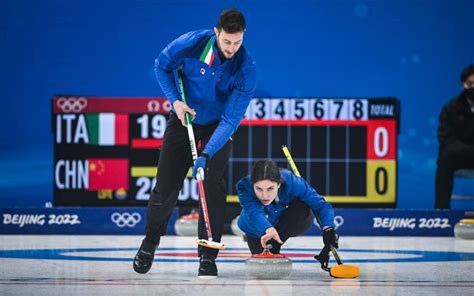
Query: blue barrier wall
{"points": [[413, 50], [132, 221]]}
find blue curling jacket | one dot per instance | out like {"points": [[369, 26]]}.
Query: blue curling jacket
{"points": [[255, 217], [217, 91]]}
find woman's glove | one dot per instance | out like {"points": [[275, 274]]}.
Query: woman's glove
{"points": [[330, 237]]}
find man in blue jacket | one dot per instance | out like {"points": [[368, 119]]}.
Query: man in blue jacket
{"points": [[219, 78], [277, 205]]}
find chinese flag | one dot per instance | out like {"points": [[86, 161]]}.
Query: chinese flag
{"points": [[111, 174]]}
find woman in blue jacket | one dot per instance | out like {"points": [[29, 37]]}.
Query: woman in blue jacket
{"points": [[277, 205]]}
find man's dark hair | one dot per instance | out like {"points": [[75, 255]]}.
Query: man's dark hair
{"points": [[466, 72], [232, 21], [265, 170]]}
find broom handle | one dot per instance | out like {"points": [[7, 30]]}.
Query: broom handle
{"points": [[297, 173], [200, 173]]}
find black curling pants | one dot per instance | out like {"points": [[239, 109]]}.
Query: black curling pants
{"points": [[450, 159], [294, 221], [173, 165]]}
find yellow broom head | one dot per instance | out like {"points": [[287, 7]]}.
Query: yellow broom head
{"points": [[345, 271], [210, 244]]}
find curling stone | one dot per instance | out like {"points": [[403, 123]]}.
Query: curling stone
{"points": [[187, 225], [235, 228], [464, 229], [268, 266]]}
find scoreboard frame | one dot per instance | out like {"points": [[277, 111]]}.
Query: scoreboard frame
{"points": [[338, 144]]}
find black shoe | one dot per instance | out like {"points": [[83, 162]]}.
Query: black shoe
{"points": [[207, 267], [144, 257]]}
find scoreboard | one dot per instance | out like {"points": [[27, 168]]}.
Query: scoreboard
{"points": [[345, 148], [106, 149]]}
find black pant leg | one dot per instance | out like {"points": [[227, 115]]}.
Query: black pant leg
{"points": [[444, 181], [254, 245], [450, 160], [295, 220], [173, 165]]}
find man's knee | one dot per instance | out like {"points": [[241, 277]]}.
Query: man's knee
{"points": [[163, 196]]}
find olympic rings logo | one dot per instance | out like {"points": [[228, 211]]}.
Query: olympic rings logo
{"points": [[126, 219], [71, 104], [167, 106], [154, 106], [338, 221]]}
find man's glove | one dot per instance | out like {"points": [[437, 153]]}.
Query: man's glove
{"points": [[330, 238], [201, 162]]}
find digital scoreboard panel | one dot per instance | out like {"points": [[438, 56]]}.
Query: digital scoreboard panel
{"points": [[106, 149]]}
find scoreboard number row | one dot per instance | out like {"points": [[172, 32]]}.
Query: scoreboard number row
{"points": [[145, 184], [157, 124], [307, 109], [380, 184]]}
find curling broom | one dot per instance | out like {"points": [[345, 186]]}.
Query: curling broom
{"points": [[209, 243], [340, 270]]}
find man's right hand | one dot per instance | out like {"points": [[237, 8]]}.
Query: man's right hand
{"points": [[181, 108]]}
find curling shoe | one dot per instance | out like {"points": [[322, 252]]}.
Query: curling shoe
{"points": [[207, 267], [144, 257]]}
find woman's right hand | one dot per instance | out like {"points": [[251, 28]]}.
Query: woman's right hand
{"points": [[270, 233]]}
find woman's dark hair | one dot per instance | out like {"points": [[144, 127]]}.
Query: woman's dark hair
{"points": [[265, 170], [232, 21], [466, 72]]}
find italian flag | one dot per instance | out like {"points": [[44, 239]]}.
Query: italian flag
{"points": [[108, 173], [207, 55], [107, 129]]}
